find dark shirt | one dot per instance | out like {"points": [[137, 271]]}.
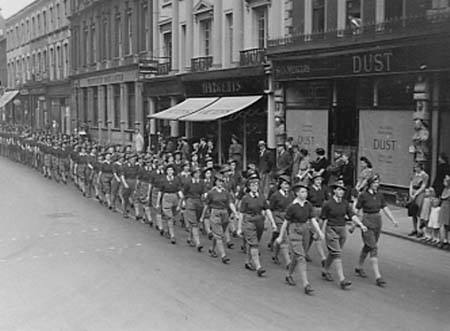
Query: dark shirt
{"points": [[279, 202], [170, 186], [253, 204], [145, 175], [370, 203], [157, 178], [193, 190], [106, 167], [130, 171], [298, 214], [317, 197], [336, 213], [218, 199]]}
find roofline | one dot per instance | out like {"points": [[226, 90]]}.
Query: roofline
{"points": [[24, 9]]}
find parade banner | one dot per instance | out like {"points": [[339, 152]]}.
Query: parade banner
{"points": [[309, 128], [384, 138]]}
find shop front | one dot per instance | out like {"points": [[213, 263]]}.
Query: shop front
{"points": [[220, 104], [109, 104], [372, 100]]}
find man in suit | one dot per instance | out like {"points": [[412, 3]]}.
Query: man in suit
{"points": [[284, 161], [265, 166], [202, 151]]}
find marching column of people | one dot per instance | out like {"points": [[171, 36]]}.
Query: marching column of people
{"points": [[313, 204]]}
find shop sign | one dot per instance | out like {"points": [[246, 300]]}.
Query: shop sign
{"points": [[379, 61], [385, 137], [308, 128], [226, 87], [115, 78]]}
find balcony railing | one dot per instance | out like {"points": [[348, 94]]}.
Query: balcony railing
{"points": [[201, 63], [430, 23], [252, 57], [164, 68]]}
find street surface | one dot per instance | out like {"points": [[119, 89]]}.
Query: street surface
{"points": [[69, 264]]}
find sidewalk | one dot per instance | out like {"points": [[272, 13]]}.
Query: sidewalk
{"points": [[404, 227]]}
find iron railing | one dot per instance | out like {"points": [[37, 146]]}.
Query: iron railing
{"points": [[202, 63], [252, 57], [431, 22]]}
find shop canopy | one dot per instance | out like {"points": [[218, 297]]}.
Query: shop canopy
{"points": [[7, 98], [223, 107], [185, 108]]}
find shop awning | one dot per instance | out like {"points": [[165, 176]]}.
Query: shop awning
{"points": [[7, 97], [225, 106], [185, 108]]}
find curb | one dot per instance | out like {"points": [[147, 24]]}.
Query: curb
{"points": [[412, 239]]}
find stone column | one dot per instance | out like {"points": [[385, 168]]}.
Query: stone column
{"points": [[101, 111], [139, 111], [110, 109], [217, 34], [123, 111], [90, 110], [174, 125], [189, 33], [308, 17], [175, 36], [341, 14], [379, 11], [238, 32], [155, 28]]}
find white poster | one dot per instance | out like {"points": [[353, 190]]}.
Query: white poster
{"points": [[309, 128], [384, 138]]}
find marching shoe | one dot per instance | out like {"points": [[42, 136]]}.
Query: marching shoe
{"points": [[360, 272], [261, 271], [309, 290], [345, 284], [290, 280], [381, 282]]}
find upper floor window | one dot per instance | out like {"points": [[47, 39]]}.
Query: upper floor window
{"points": [[129, 33], [393, 9], [167, 45], [205, 33], [318, 22], [261, 26], [353, 11]]}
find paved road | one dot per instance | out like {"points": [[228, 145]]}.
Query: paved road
{"points": [[68, 264]]}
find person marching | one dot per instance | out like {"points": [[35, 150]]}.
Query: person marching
{"points": [[105, 178], [143, 191], [64, 164], [208, 180], [371, 202], [91, 159], [169, 199], [298, 215], [129, 175], [219, 200], [193, 191], [81, 169], [254, 208], [317, 195], [279, 201], [334, 213], [116, 182], [184, 173], [156, 182]]}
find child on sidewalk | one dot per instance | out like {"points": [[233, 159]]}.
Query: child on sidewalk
{"points": [[425, 212], [433, 223]]}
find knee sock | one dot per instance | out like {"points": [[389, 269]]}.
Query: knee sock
{"points": [[375, 267], [254, 252]]}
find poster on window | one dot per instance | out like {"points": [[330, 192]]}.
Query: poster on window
{"points": [[309, 128], [384, 138]]}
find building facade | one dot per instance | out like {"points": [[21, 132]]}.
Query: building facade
{"points": [[38, 65], [136, 58], [370, 77], [3, 62]]}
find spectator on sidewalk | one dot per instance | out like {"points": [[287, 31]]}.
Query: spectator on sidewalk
{"points": [[444, 213], [442, 169], [138, 141], [433, 223], [321, 164], [417, 186]]}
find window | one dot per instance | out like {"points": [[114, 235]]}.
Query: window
{"points": [[318, 15], [144, 33], [51, 13], [353, 14], [66, 60], [86, 46], [58, 16], [205, 28], [44, 61], [131, 105], [261, 26], [229, 38], [33, 27], [184, 58], [117, 35], [38, 24], [105, 104], [39, 63], [105, 38], [129, 31], [85, 105], [393, 9], [167, 45], [116, 96], [93, 44], [44, 19]]}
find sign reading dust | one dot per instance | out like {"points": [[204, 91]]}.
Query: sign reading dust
{"points": [[384, 138], [309, 128]]}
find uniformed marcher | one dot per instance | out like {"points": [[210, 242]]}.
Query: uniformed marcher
{"points": [[193, 191], [254, 209], [298, 216], [279, 201], [169, 200], [219, 201], [143, 190], [105, 178], [335, 213], [371, 202], [129, 175], [156, 182]]}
